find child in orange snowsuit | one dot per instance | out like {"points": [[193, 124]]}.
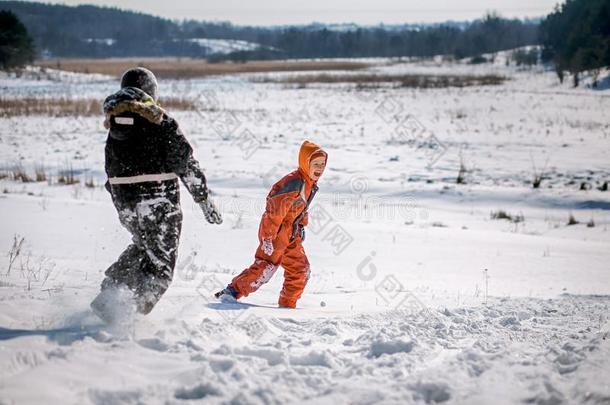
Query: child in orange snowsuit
{"points": [[281, 232]]}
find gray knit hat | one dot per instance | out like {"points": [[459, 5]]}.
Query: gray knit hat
{"points": [[142, 79]]}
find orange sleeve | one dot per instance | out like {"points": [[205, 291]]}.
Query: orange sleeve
{"points": [[275, 212]]}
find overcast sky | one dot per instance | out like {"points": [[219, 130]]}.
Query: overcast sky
{"points": [[279, 12]]}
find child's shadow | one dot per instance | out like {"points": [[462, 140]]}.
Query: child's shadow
{"points": [[233, 306]]}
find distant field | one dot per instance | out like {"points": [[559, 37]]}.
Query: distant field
{"points": [[423, 81], [188, 68]]}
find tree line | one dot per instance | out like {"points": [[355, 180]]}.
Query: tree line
{"points": [[91, 31], [576, 37]]}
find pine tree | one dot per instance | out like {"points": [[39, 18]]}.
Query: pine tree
{"points": [[16, 45], [576, 36]]}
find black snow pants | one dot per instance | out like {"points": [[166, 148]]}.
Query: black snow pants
{"points": [[151, 213]]}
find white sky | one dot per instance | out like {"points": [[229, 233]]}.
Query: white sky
{"points": [[279, 12]]}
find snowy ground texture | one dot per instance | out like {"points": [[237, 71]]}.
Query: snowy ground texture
{"points": [[417, 295]]}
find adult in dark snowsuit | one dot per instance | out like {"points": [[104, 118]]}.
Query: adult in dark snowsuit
{"points": [[146, 154]]}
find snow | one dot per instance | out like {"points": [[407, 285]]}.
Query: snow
{"points": [[102, 41], [39, 82], [416, 295], [225, 46]]}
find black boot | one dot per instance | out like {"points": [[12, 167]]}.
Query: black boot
{"points": [[228, 294]]}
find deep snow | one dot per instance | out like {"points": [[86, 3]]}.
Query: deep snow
{"points": [[399, 309]]}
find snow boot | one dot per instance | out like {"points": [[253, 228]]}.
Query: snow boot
{"points": [[228, 294], [114, 305]]}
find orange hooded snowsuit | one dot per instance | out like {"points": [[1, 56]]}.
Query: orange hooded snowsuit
{"points": [[286, 210]]}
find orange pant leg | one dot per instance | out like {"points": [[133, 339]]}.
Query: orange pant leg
{"points": [[296, 274], [263, 268]]}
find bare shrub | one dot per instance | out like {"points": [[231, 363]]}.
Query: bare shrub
{"points": [[40, 173], [461, 178], [15, 251], [67, 176], [18, 173], [538, 176], [572, 220], [501, 214], [35, 271]]}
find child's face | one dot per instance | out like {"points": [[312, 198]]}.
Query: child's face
{"points": [[316, 167]]}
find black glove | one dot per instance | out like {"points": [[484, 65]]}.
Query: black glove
{"points": [[301, 230], [211, 212]]}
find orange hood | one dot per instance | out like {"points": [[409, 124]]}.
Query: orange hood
{"points": [[307, 151]]}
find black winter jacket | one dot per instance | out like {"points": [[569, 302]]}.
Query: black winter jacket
{"points": [[144, 140]]}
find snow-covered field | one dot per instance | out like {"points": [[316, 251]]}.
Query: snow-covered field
{"points": [[224, 46], [417, 295]]}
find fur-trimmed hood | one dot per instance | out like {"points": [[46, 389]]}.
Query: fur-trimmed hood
{"points": [[133, 100]]}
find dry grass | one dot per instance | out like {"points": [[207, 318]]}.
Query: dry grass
{"points": [[189, 68], [177, 104], [461, 178], [89, 182], [40, 173], [55, 107], [64, 107], [18, 173], [572, 220], [501, 214], [67, 175], [406, 80]]}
